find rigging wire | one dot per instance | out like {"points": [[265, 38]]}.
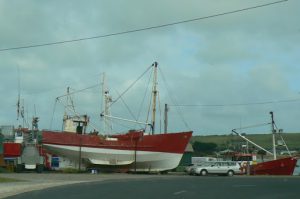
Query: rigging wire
{"points": [[131, 85], [117, 122], [173, 99], [237, 104], [77, 91], [127, 107], [142, 29], [53, 112], [149, 109], [144, 98]]}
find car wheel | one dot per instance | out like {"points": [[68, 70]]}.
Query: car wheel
{"points": [[230, 173], [203, 173]]}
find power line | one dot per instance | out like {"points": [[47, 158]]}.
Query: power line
{"points": [[252, 126], [77, 91], [241, 104], [139, 29]]}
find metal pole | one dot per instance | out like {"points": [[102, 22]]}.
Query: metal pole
{"points": [[154, 96], [135, 150], [273, 135], [103, 109], [80, 142], [123, 119], [233, 130], [166, 119]]}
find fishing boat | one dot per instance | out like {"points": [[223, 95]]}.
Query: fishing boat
{"points": [[136, 150], [277, 166]]}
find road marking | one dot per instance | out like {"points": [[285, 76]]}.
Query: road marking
{"points": [[179, 192], [245, 185]]}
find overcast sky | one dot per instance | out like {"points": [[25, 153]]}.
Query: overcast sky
{"points": [[250, 57]]}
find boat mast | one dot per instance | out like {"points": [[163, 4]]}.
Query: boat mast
{"points": [[273, 135], [106, 101], [103, 99], [154, 96]]}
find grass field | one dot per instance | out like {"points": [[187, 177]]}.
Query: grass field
{"points": [[265, 140], [2, 180]]}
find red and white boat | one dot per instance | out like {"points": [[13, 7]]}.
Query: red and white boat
{"points": [[135, 150], [277, 166], [139, 151], [282, 166]]}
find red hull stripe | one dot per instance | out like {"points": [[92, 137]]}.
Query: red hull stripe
{"points": [[170, 142]]}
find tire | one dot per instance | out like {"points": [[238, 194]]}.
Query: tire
{"points": [[19, 168], [203, 172], [163, 172], [39, 168], [230, 173], [192, 172]]}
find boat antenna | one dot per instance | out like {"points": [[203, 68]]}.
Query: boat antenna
{"points": [[154, 91], [273, 134]]}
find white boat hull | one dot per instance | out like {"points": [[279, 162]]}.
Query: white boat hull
{"points": [[141, 161]]}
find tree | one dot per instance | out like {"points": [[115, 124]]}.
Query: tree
{"points": [[261, 153], [204, 148]]}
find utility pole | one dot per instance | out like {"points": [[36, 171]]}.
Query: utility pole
{"points": [[166, 119]]}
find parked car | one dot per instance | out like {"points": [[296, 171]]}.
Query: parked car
{"points": [[188, 168], [192, 167], [229, 168]]}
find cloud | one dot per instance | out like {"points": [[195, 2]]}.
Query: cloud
{"points": [[251, 56]]}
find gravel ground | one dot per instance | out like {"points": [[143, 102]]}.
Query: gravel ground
{"points": [[33, 181]]}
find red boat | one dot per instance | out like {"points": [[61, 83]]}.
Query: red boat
{"points": [[282, 166], [135, 150]]}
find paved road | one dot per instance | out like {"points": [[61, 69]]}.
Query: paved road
{"points": [[33, 181], [164, 187]]}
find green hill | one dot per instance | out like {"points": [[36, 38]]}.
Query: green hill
{"points": [[235, 142]]}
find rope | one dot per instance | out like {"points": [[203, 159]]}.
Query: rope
{"points": [[54, 107], [132, 84], [174, 101]]}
